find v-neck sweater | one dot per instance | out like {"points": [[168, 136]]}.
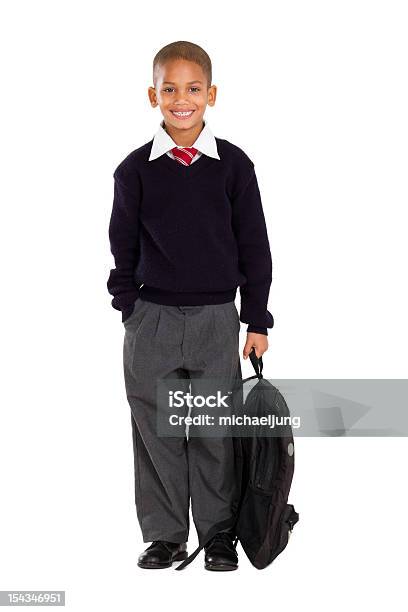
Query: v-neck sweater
{"points": [[190, 235]]}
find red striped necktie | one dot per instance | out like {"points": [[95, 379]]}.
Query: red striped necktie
{"points": [[184, 155]]}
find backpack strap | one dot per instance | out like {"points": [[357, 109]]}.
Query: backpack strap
{"points": [[257, 363], [222, 526], [249, 378]]}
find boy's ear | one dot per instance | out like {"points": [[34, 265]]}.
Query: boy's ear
{"points": [[212, 94], [151, 92]]}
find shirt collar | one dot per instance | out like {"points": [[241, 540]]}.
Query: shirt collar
{"points": [[205, 143]]}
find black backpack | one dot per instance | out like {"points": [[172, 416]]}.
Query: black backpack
{"points": [[263, 520]]}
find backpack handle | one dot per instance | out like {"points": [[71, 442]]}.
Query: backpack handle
{"points": [[257, 363]]}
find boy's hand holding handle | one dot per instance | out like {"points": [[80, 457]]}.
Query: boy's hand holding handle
{"points": [[258, 342]]}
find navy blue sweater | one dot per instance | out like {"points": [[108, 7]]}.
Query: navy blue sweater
{"points": [[190, 235]]}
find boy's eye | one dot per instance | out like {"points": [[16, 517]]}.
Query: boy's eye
{"points": [[170, 89]]}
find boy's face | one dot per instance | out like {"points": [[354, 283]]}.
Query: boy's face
{"points": [[182, 93]]}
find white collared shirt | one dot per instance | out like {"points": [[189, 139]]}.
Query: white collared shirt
{"points": [[205, 143]]}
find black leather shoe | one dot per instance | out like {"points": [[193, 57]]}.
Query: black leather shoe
{"points": [[220, 553], [162, 554]]}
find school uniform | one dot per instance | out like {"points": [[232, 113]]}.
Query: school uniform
{"points": [[187, 229]]}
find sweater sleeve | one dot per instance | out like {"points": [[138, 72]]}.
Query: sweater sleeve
{"points": [[124, 242], [255, 261]]}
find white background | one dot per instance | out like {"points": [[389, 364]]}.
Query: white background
{"points": [[316, 94]]}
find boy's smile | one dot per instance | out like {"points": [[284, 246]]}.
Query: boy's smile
{"points": [[182, 93], [182, 114]]}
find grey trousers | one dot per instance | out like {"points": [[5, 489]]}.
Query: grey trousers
{"points": [[186, 342]]}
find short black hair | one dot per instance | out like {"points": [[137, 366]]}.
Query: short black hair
{"points": [[182, 49]]}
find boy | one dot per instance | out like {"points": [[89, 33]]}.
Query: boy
{"points": [[187, 228]]}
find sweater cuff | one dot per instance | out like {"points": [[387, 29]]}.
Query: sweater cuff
{"points": [[126, 312], [257, 330]]}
